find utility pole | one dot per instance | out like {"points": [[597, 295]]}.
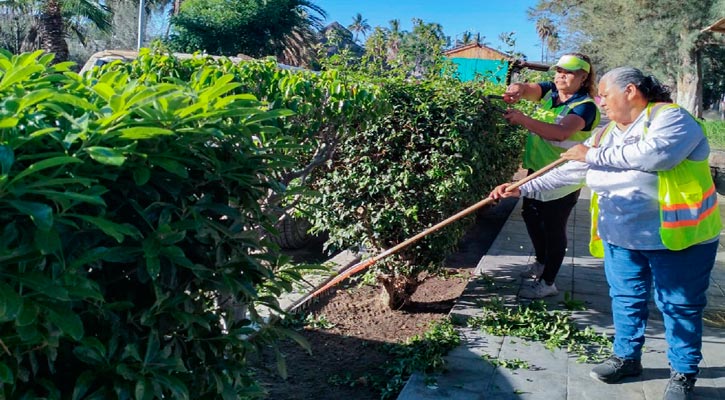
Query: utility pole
{"points": [[139, 41]]}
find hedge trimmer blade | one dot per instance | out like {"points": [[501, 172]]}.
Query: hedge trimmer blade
{"points": [[496, 108]]}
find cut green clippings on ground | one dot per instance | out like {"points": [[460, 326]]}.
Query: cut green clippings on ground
{"points": [[512, 364], [556, 329], [571, 304], [419, 353]]}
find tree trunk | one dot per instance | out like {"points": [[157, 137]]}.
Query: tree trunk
{"points": [[689, 80], [50, 31], [398, 289]]}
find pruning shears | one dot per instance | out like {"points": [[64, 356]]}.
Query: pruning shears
{"points": [[495, 107]]}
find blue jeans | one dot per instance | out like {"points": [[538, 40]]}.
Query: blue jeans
{"points": [[680, 281]]}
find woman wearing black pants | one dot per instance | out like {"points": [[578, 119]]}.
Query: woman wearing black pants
{"points": [[566, 116]]}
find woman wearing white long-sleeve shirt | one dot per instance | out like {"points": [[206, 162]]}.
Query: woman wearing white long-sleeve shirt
{"points": [[655, 220]]}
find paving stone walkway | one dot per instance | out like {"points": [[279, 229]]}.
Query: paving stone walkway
{"points": [[557, 375]]}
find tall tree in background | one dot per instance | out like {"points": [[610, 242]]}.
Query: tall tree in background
{"points": [[394, 38], [281, 28], [421, 50], [359, 25], [662, 37], [49, 22], [546, 29], [466, 38]]}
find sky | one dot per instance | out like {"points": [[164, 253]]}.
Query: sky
{"points": [[489, 17]]}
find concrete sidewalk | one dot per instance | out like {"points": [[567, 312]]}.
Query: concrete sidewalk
{"points": [[557, 375]]}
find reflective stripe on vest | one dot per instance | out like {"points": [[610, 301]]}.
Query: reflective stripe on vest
{"points": [[540, 152], [596, 248], [689, 213]]}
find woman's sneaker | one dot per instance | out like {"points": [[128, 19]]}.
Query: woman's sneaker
{"points": [[615, 369], [533, 270], [538, 290], [680, 386]]}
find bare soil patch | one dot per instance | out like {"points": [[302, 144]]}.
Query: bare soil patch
{"points": [[348, 359]]}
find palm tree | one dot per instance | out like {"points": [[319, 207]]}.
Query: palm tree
{"points": [[466, 38], [53, 20], [395, 37], [298, 44], [545, 28], [552, 42], [359, 25]]}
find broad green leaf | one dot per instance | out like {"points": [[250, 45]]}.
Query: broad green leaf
{"points": [[177, 256], [117, 231], [84, 289], [48, 242], [143, 132], [56, 196], [147, 95], [41, 214], [68, 322], [172, 166], [152, 349], [63, 66], [83, 383], [219, 89], [104, 90], [6, 374], [18, 74], [48, 163], [87, 182], [141, 175], [106, 155], [7, 158], [75, 101], [44, 131], [30, 333], [153, 266], [89, 354], [178, 390], [267, 115], [117, 103], [10, 302], [44, 285], [9, 122], [281, 363], [144, 390], [184, 112], [28, 313], [35, 97], [294, 335]]}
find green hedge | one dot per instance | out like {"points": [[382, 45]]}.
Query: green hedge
{"points": [[131, 206], [441, 148]]}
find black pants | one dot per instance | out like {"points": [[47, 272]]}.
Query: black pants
{"points": [[546, 224]]}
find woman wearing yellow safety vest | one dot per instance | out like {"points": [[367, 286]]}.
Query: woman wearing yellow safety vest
{"points": [[656, 220], [566, 115]]}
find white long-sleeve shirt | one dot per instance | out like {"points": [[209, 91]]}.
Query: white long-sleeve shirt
{"points": [[622, 171]]}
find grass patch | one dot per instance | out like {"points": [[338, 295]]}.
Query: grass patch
{"points": [[715, 132]]}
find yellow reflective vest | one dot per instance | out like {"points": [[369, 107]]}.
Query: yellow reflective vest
{"points": [[689, 213], [540, 152]]}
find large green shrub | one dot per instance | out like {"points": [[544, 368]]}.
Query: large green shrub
{"points": [[441, 148], [130, 212], [327, 106]]}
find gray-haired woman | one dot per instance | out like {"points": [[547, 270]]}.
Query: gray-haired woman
{"points": [[655, 220]]}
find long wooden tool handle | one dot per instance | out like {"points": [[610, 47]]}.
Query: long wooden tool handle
{"points": [[370, 261]]}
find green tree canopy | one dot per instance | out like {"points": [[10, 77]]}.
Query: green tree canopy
{"points": [[662, 37], [252, 27]]}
